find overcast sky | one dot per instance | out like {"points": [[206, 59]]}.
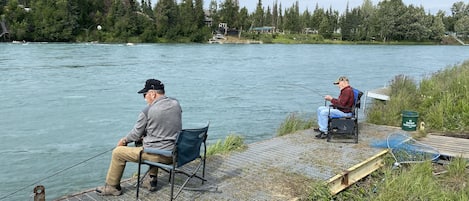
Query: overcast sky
{"points": [[432, 6]]}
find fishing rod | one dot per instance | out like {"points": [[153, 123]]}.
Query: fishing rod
{"points": [[56, 173], [307, 88]]}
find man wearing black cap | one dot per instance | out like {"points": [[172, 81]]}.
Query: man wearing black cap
{"points": [[158, 124], [341, 106]]}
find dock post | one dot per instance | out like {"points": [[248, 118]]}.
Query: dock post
{"points": [[39, 193]]}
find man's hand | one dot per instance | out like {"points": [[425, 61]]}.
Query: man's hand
{"points": [[328, 97], [122, 142]]}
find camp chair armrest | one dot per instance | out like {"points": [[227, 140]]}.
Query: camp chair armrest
{"points": [[158, 151]]}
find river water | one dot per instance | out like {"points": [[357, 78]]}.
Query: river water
{"points": [[62, 104]]}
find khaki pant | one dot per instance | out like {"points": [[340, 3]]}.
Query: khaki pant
{"points": [[123, 154]]}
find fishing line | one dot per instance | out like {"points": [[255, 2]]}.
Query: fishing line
{"points": [[309, 89], [56, 173]]}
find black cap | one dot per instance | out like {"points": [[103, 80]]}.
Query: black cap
{"points": [[152, 84]]}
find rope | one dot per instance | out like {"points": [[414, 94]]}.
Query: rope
{"points": [[56, 173]]}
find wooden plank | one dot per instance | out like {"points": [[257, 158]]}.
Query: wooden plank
{"points": [[448, 146], [355, 173]]}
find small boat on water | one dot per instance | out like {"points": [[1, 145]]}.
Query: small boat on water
{"points": [[19, 42], [214, 41]]}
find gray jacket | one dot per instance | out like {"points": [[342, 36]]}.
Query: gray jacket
{"points": [[161, 121]]}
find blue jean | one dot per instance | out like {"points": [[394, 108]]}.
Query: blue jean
{"points": [[323, 116]]}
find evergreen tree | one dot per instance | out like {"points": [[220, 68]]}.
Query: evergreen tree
{"points": [[184, 20], [228, 13], [389, 14], [258, 16], [306, 21], [368, 13], [268, 17], [52, 21], [166, 14], [275, 15], [244, 21], [317, 18], [437, 27], [462, 26], [292, 19]]}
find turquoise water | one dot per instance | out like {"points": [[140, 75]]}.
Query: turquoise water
{"points": [[62, 104]]}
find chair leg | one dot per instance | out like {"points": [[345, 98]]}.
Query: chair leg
{"points": [[171, 175], [203, 170], [138, 181], [356, 133], [138, 173]]}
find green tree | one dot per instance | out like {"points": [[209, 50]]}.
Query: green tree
{"points": [[166, 14], [275, 15], [389, 13], [327, 22], [280, 18], [244, 21], [122, 22], [413, 25], [268, 17], [459, 10], [17, 20], [53, 21], [292, 19], [228, 13], [317, 18], [305, 20], [462, 26], [324, 28], [437, 28], [369, 21], [258, 16], [349, 24], [213, 14], [187, 23]]}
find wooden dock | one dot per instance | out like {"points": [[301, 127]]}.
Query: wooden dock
{"points": [[448, 146], [281, 168]]}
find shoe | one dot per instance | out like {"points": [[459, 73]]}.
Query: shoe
{"points": [[150, 182], [324, 136], [321, 135], [108, 190], [316, 130]]}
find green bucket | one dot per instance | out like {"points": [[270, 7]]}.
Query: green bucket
{"points": [[409, 120]]}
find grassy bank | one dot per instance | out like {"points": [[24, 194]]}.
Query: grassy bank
{"points": [[231, 143], [422, 181], [295, 122], [318, 39], [440, 99]]}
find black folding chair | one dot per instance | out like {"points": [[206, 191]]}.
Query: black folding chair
{"points": [[338, 125], [187, 149]]}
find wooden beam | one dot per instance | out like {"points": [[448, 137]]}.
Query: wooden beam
{"points": [[355, 173]]}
